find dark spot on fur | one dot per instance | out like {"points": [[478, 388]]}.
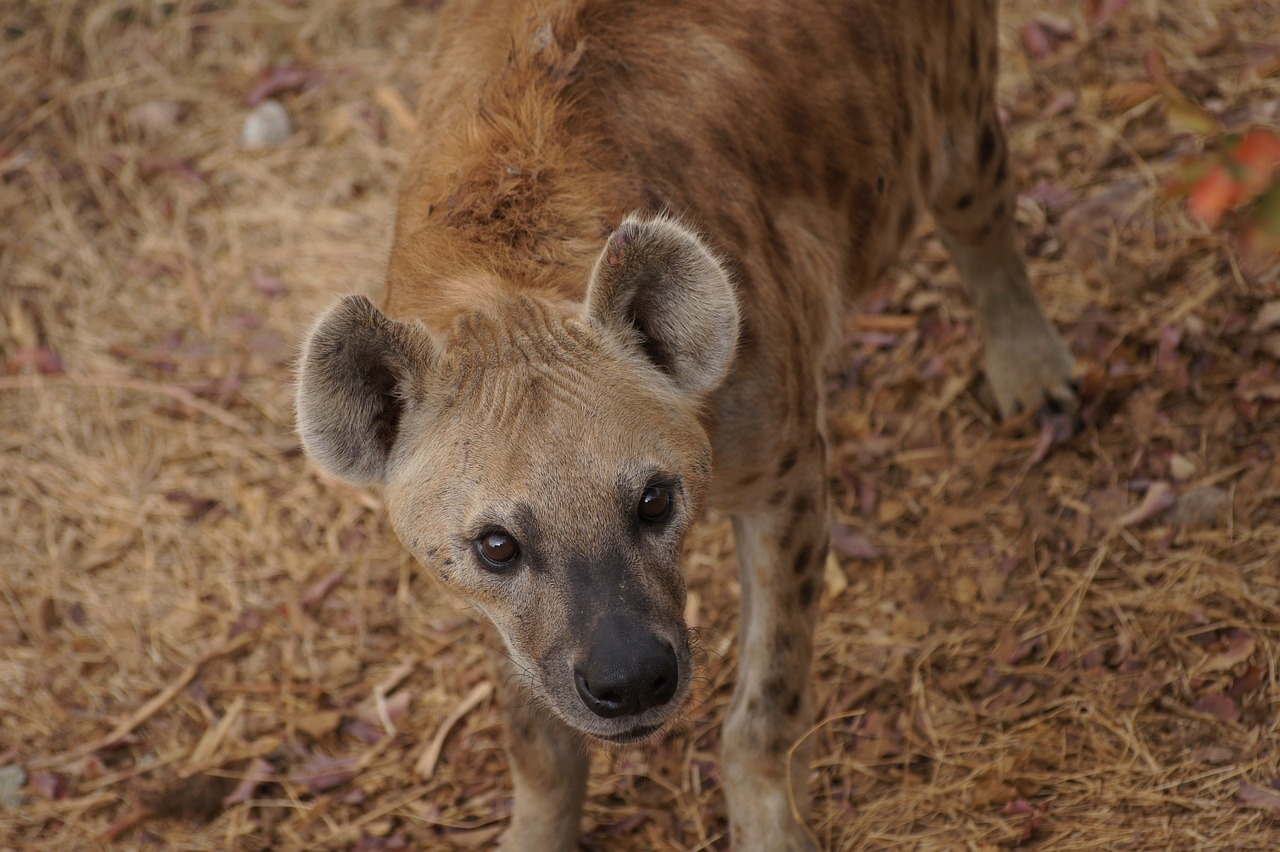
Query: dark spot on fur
{"points": [[776, 242], [773, 689], [750, 479], [1002, 170], [965, 201], [906, 219], [974, 58], [802, 563], [802, 505], [835, 178], [880, 184], [986, 147], [918, 60], [793, 704], [805, 595], [1001, 209], [788, 461], [776, 498]]}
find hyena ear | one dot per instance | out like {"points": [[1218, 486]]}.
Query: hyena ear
{"points": [[658, 285], [357, 374]]}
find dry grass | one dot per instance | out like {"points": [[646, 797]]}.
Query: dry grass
{"points": [[182, 595]]}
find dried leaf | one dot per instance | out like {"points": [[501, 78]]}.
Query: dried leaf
{"points": [[1212, 754], [276, 79], [319, 723], [1216, 704], [268, 285], [49, 785], [1240, 646], [257, 773], [1268, 317], [39, 358], [852, 545], [320, 590], [1158, 498], [319, 773], [1043, 33], [1259, 797]]}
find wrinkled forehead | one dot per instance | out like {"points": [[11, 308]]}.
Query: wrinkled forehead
{"points": [[532, 397]]}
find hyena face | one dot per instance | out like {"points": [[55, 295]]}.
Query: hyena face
{"points": [[545, 463]]}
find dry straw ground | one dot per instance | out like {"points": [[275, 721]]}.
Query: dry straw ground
{"points": [[1076, 650]]}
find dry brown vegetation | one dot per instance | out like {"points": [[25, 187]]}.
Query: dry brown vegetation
{"points": [[202, 645]]}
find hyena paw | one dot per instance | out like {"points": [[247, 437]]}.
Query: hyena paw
{"points": [[1034, 373]]}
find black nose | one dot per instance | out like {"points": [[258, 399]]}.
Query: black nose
{"points": [[624, 676]]}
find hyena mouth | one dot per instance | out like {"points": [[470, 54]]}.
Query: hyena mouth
{"points": [[635, 735]]}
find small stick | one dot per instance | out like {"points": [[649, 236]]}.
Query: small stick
{"points": [[426, 765], [149, 709]]}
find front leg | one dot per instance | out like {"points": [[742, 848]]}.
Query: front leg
{"points": [[549, 766], [781, 552]]}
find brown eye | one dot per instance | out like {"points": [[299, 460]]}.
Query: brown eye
{"points": [[497, 549], [655, 504]]}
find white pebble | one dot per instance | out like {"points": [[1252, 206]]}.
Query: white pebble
{"points": [[268, 126]]}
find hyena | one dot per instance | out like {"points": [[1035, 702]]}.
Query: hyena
{"points": [[623, 247]]}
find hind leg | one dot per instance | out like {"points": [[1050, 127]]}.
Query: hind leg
{"points": [[1027, 362]]}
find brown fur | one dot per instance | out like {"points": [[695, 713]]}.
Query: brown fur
{"points": [[543, 359]]}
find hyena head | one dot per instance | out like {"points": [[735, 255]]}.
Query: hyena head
{"points": [[545, 462]]}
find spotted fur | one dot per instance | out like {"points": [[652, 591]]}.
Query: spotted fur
{"points": [[624, 243]]}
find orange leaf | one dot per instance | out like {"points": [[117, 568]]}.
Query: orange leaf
{"points": [[1259, 153], [1213, 195]]}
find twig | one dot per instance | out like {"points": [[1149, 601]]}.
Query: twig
{"points": [[181, 395], [149, 709], [791, 752], [426, 765]]}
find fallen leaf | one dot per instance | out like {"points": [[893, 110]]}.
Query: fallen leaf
{"points": [[320, 589], [990, 788], [319, 723], [268, 285], [1240, 646], [319, 773], [1221, 706], [39, 358], [1158, 498], [852, 545], [49, 785], [1201, 508], [1259, 797], [1043, 33], [1100, 11], [396, 706], [257, 773], [276, 79], [1215, 755], [1268, 317]]}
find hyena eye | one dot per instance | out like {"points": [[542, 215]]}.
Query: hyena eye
{"points": [[498, 549], [655, 504]]}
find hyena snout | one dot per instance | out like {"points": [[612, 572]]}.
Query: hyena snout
{"points": [[627, 671]]}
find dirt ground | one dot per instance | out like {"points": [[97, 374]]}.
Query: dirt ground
{"points": [[205, 646]]}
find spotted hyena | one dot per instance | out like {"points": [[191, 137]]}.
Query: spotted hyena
{"points": [[624, 245]]}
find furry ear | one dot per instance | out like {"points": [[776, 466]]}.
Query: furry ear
{"points": [[658, 285], [355, 378]]}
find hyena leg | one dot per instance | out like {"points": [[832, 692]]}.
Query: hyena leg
{"points": [[1027, 363], [781, 552], [549, 766]]}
